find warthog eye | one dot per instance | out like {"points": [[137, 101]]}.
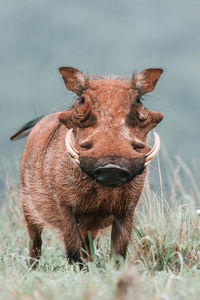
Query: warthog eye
{"points": [[82, 100]]}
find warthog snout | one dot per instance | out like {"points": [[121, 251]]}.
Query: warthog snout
{"points": [[112, 171], [112, 175]]}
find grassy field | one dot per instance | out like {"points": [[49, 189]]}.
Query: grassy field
{"points": [[163, 259]]}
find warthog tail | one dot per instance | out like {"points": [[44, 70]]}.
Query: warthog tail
{"points": [[25, 129]]}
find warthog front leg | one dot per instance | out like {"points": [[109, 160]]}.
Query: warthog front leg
{"points": [[121, 233], [35, 243], [71, 236]]}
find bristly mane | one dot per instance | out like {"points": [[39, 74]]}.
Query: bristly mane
{"points": [[111, 77], [92, 77]]}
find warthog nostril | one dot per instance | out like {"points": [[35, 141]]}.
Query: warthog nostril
{"points": [[112, 175], [86, 145], [137, 145]]}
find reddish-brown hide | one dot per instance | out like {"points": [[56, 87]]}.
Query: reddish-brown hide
{"points": [[110, 126]]}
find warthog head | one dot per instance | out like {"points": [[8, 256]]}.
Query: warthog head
{"points": [[109, 125]]}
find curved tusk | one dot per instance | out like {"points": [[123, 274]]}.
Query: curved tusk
{"points": [[69, 146], [154, 151]]}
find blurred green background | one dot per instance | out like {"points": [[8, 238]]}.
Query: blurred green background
{"points": [[99, 37]]}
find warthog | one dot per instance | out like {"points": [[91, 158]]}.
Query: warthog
{"points": [[83, 169]]}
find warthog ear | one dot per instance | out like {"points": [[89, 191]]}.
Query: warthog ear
{"points": [[75, 80], [145, 81]]}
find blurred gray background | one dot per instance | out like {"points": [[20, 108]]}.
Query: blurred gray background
{"points": [[99, 37]]}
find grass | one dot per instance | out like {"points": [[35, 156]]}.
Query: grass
{"points": [[163, 259]]}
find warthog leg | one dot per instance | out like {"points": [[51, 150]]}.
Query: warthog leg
{"points": [[71, 235], [34, 229], [35, 243], [121, 233]]}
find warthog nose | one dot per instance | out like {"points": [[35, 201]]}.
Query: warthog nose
{"points": [[112, 175]]}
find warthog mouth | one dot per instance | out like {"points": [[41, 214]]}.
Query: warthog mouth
{"points": [[74, 153]]}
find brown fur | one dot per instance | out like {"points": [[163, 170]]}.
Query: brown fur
{"points": [[107, 126]]}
